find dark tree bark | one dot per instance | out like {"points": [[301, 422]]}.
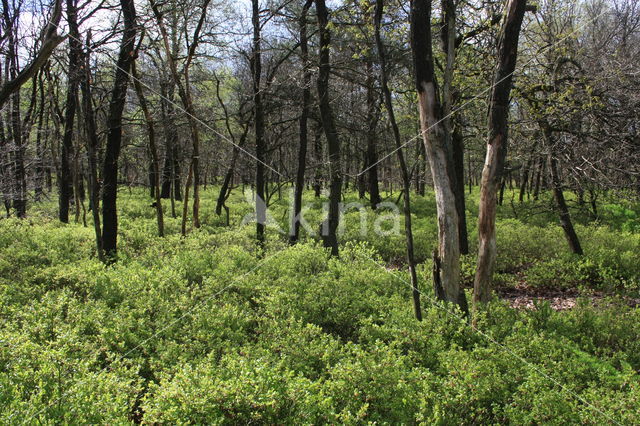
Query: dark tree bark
{"points": [[440, 156], [41, 142], [50, 40], [171, 185], [525, 179], [558, 194], [184, 91], [317, 153], [92, 146], [403, 165], [330, 226], [4, 169], [492, 173], [66, 172], [16, 169], [294, 230], [372, 148], [151, 134], [448, 34], [114, 133], [260, 144], [225, 188]]}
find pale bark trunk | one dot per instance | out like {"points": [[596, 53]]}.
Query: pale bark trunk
{"points": [[439, 154], [496, 147]]}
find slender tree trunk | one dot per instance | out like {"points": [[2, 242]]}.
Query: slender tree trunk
{"points": [[184, 91], [439, 154], [40, 143], [66, 171], [114, 133], [565, 216], [330, 226], [448, 33], [294, 231], [14, 121], [492, 173], [50, 40], [151, 134], [20, 178], [317, 153], [525, 180], [4, 161], [372, 148], [256, 73], [185, 204], [92, 147], [536, 189], [558, 194], [403, 165]]}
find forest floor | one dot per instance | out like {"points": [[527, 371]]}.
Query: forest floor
{"points": [[525, 297], [203, 330]]}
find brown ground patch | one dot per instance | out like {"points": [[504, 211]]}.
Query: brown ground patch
{"points": [[524, 297]]}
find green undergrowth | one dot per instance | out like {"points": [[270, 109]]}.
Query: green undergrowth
{"points": [[203, 330]]}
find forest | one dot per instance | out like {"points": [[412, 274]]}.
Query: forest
{"points": [[312, 211]]}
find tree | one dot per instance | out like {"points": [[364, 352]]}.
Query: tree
{"points": [[492, 172], [50, 40], [114, 133], [259, 130], [406, 178], [304, 118], [440, 156], [184, 91], [66, 172], [151, 133], [92, 146], [330, 226]]}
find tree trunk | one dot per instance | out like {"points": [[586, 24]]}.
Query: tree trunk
{"points": [[492, 173], [66, 171], [525, 180], [92, 148], [558, 195], [438, 153], [256, 73], [40, 144], [565, 216], [448, 33], [151, 133], [184, 91], [17, 177], [114, 133], [50, 40], [185, 204], [317, 153], [294, 230], [372, 148], [330, 226], [408, 230]]}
